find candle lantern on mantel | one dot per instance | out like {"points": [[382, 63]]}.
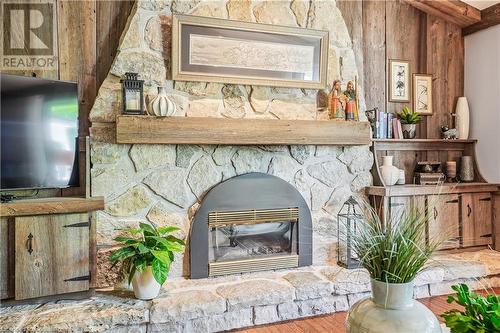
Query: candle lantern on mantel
{"points": [[348, 219], [132, 92]]}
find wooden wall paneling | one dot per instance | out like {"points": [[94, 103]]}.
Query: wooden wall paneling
{"points": [[455, 70], [112, 17], [352, 12], [77, 43], [403, 32], [489, 17], [437, 66], [374, 53]]}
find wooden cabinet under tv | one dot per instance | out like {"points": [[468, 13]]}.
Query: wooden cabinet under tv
{"points": [[46, 247], [460, 213]]}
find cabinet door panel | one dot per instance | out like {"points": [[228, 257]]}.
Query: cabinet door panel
{"points": [[482, 218], [50, 251], [6, 273], [444, 221], [398, 206], [476, 219]]}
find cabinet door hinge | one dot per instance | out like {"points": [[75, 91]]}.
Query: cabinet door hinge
{"points": [[79, 278], [78, 225]]}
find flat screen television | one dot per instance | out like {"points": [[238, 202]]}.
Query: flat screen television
{"points": [[39, 133]]}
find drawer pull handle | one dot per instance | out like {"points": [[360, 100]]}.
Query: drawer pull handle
{"points": [[452, 201], [487, 235], [485, 199], [469, 210], [29, 243], [435, 213]]}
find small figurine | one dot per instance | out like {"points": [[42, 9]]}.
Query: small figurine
{"points": [[335, 105], [447, 133], [351, 109]]}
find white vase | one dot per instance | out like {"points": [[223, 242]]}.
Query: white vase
{"points": [[389, 173], [462, 118], [145, 285], [161, 105], [391, 309]]}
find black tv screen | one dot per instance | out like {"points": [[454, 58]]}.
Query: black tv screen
{"points": [[39, 133]]}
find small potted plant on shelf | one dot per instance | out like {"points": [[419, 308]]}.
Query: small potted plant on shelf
{"points": [[393, 252], [480, 314], [409, 120], [147, 253]]}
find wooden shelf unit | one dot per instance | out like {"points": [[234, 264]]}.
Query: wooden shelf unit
{"points": [[45, 206], [461, 211], [226, 131]]}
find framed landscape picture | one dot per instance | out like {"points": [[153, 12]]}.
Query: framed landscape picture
{"points": [[217, 50], [399, 81], [422, 94]]}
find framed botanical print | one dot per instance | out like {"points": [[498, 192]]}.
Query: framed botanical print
{"points": [[399, 81], [217, 50], [422, 94]]}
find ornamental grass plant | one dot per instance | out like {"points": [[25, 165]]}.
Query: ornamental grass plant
{"points": [[397, 251]]}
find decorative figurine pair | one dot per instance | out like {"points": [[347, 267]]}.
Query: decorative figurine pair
{"points": [[343, 105]]}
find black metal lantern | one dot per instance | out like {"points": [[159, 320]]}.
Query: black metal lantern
{"points": [[348, 219], [132, 92]]}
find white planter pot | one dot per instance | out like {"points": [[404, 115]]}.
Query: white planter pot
{"points": [[161, 105], [409, 131], [462, 118], [389, 173], [145, 285], [391, 309]]}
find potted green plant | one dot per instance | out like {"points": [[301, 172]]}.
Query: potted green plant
{"points": [[481, 314], [147, 253], [409, 120], [393, 252]]}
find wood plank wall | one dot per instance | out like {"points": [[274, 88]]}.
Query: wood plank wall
{"points": [[395, 30], [88, 33]]}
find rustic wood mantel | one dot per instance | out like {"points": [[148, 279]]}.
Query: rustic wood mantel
{"points": [[225, 131]]}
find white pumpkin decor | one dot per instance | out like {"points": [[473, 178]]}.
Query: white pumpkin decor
{"points": [[161, 105]]}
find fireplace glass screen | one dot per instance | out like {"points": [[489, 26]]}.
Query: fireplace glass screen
{"points": [[254, 234]]}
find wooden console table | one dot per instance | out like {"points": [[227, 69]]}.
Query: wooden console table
{"points": [[463, 212], [46, 246]]}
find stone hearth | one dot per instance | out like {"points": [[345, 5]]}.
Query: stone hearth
{"points": [[224, 303]]}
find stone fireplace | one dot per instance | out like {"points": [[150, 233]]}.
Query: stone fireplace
{"points": [[248, 223], [172, 184]]}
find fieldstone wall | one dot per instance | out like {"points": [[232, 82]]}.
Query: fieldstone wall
{"points": [[163, 184]]}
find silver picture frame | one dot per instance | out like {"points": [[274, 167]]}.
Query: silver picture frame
{"points": [[218, 50]]}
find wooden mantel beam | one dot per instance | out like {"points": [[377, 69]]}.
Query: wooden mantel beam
{"points": [[454, 11], [489, 17]]}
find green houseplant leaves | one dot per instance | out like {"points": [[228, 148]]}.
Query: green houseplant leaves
{"points": [[407, 116], [148, 246], [481, 313]]}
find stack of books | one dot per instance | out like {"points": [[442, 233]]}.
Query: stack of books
{"points": [[387, 126]]}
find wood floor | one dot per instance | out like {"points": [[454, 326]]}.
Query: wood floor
{"points": [[335, 323]]}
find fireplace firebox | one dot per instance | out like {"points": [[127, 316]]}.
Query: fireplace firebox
{"points": [[249, 223]]}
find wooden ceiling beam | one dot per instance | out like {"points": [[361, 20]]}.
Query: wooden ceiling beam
{"points": [[454, 11], [489, 17]]}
